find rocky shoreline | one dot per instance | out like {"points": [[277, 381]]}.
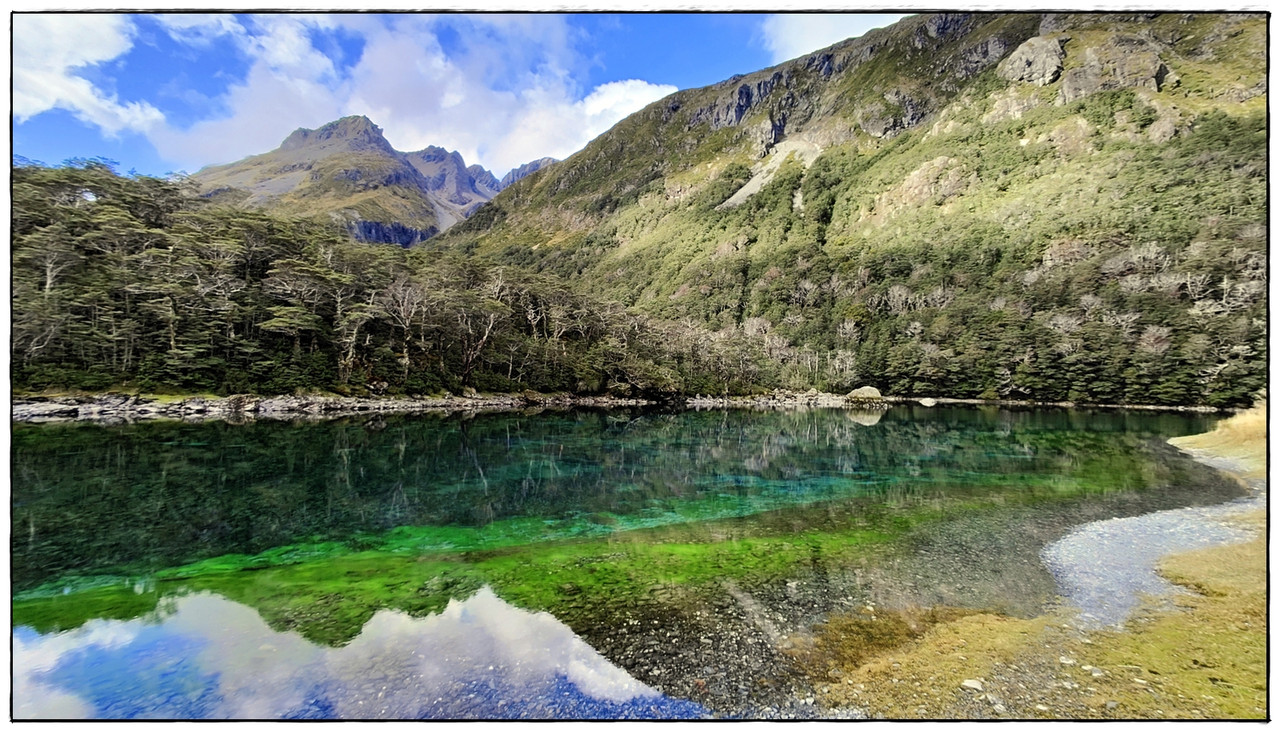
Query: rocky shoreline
{"points": [[865, 398], [111, 408], [868, 398], [118, 407], [932, 401]]}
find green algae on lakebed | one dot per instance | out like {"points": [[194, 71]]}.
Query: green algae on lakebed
{"points": [[588, 516], [327, 595]]}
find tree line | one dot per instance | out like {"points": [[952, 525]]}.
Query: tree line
{"points": [[136, 281]]}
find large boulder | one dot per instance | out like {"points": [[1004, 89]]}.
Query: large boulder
{"points": [[1037, 61], [865, 394]]}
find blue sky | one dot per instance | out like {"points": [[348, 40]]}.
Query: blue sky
{"points": [[164, 92]]}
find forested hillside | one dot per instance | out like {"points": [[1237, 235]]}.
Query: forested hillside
{"points": [[1021, 206], [138, 282], [1015, 206]]}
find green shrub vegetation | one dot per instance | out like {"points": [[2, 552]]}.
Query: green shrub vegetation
{"points": [[1110, 250], [133, 281], [996, 244]]}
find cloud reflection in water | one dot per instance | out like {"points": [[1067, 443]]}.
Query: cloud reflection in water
{"points": [[214, 658]]}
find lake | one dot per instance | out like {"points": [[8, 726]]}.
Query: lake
{"points": [[579, 564]]}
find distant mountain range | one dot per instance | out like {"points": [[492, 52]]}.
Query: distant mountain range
{"points": [[348, 171]]}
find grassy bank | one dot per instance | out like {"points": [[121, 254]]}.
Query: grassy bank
{"points": [[1241, 439], [1203, 659], [1210, 657]]}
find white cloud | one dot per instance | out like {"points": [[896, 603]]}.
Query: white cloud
{"points": [[34, 697], [266, 107], [789, 36], [548, 125], [47, 51], [282, 44], [498, 109], [619, 98], [199, 29]]}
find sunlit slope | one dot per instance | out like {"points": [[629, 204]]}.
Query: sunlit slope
{"points": [[1071, 191]]}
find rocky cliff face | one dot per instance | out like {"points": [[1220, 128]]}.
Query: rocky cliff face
{"points": [[1037, 61], [785, 99], [348, 133], [348, 171]]}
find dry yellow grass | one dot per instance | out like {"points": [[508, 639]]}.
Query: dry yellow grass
{"points": [[1207, 659], [922, 678], [1242, 437]]}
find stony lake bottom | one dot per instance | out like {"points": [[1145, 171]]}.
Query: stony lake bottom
{"points": [[575, 564]]}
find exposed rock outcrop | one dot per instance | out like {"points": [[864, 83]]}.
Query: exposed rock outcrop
{"points": [[449, 177], [486, 180], [864, 393], [1010, 104], [1124, 61], [1037, 61], [389, 233], [524, 171], [936, 181], [976, 58], [348, 133]]}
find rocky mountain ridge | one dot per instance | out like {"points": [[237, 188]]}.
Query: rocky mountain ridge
{"points": [[1017, 207], [347, 171], [865, 92], [524, 171]]}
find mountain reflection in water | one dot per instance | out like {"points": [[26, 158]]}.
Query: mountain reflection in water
{"points": [[208, 657]]}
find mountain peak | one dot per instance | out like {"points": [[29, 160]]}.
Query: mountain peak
{"points": [[434, 154], [356, 131], [347, 170]]}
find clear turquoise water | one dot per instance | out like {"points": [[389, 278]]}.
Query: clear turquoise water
{"points": [[374, 541], [134, 499]]}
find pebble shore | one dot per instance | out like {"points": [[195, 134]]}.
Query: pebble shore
{"points": [[1107, 568], [117, 408]]}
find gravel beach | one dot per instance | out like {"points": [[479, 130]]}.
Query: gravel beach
{"points": [[1106, 569]]}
